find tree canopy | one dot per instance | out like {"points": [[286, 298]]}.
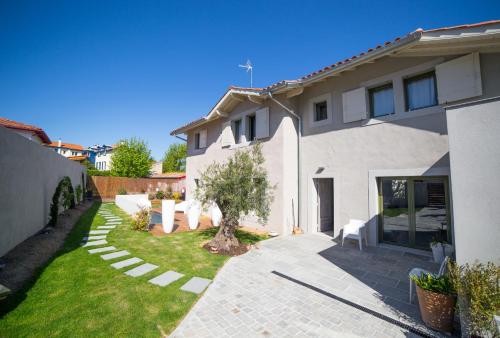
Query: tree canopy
{"points": [[175, 158], [131, 158], [239, 186]]}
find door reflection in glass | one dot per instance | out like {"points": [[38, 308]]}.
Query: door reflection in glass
{"points": [[395, 214]]}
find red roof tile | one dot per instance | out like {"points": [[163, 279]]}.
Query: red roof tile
{"points": [[21, 126], [66, 145]]}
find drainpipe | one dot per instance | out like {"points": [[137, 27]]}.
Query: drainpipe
{"points": [[299, 119]]}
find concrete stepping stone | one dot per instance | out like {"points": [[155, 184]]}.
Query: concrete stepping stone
{"points": [[115, 255], [166, 278], [93, 238], [196, 285], [141, 270], [113, 219], [127, 262], [95, 243], [98, 232], [113, 222], [106, 227], [105, 249]]}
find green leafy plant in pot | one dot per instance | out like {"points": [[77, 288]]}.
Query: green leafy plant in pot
{"points": [[436, 300]]}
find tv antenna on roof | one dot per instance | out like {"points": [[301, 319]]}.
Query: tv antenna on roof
{"points": [[248, 66]]}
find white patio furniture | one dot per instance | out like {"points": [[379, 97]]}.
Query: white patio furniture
{"points": [[193, 214], [417, 272], [355, 229], [168, 215], [215, 215]]}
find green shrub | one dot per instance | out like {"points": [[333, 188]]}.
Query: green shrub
{"points": [[160, 195], [122, 191], [95, 172], [478, 289], [141, 220], [432, 283], [79, 194], [65, 190]]}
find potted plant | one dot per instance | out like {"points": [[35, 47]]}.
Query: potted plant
{"points": [[436, 300], [478, 292], [440, 250]]}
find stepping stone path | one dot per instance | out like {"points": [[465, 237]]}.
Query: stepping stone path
{"points": [[196, 284], [127, 262], [141, 270]]}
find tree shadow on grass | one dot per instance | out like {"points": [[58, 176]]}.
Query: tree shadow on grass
{"points": [[71, 242]]}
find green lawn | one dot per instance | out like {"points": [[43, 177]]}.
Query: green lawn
{"points": [[78, 294]]}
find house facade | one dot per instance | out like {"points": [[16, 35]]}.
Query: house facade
{"points": [[101, 155], [67, 149], [367, 138]]}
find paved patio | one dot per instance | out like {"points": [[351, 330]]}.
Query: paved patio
{"points": [[318, 289]]}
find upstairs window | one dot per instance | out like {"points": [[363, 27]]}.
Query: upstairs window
{"points": [[251, 128], [197, 141], [237, 131], [381, 100], [420, 91], [320, 111]]}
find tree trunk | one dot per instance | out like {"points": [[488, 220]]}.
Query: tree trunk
{"points": [[225, 238]]}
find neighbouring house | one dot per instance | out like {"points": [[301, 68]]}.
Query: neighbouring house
{"points": [[30, 132], [101, 157], [157, 168], [68, 150], [405, 136]]}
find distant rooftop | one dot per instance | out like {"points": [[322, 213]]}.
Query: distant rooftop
{"points": [[26, 127]]}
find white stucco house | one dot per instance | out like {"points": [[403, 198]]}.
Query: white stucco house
{"points": [[405, 136], [101, 156]]}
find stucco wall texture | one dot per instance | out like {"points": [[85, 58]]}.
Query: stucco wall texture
{"points": [[29, 175], [474, 136]]}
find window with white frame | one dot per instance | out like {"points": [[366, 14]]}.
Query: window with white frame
{"points": [[236, 126], [381, 100], [320, 111], [251, 128], [421, 91]]}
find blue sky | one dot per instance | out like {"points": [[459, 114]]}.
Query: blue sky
{"points": [[97, 71]]}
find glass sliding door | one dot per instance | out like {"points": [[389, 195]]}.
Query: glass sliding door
{"points": [[395, 211], [414, 211]]}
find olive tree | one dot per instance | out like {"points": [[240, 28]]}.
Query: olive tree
{"points": [[239, 186]]}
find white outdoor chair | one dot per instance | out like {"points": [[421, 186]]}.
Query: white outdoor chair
{"points": [[417, 272], [194, 213], [356, 229], [215, 214]]}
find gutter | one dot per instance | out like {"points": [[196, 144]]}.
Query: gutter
{"points": [[299, 138]]}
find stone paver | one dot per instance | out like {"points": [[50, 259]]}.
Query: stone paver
{"points": [[95, 243], [114, 222], [106, 227], [141, 270], [93, 238], [125, 263], [105, 249], [196, 285], [247, 300], [98, 232], [115, 255], [166, 278]]}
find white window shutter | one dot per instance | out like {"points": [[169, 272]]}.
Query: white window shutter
{"points": [[459, 78], [262, 123], [354, 105], [227, 134], [203, 138]]}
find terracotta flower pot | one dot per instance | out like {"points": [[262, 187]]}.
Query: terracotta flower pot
{"points": [[436, 309]]}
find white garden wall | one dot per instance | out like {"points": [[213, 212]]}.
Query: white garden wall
{"points": [[29, 175], [132, 203]]}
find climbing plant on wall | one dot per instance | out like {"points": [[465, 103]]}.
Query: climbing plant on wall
{"points": [[64, 195]]}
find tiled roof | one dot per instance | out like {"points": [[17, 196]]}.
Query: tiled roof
{"points": [[78, 158], [66, 145], [392, 43], [21, 126]]}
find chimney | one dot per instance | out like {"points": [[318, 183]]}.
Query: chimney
{"points": [[59, 143]]}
